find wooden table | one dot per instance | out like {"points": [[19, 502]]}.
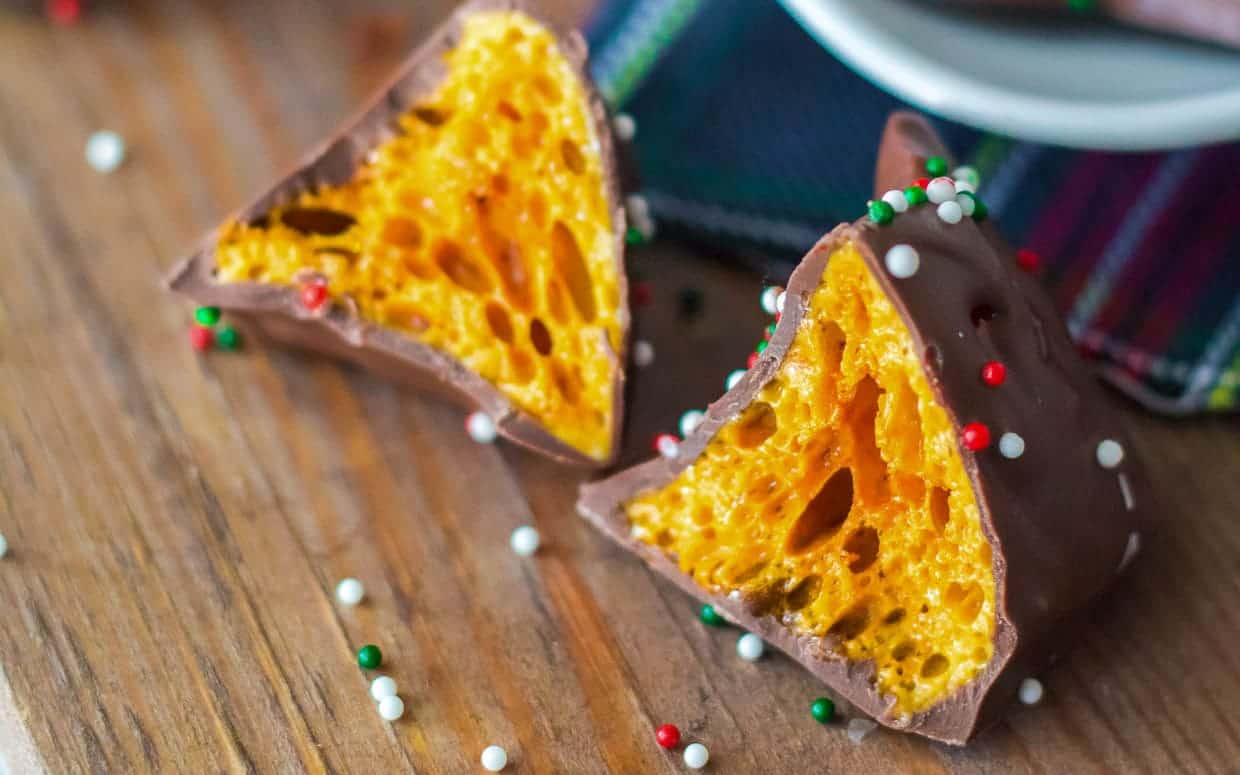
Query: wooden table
{"points": [[177, 522]]}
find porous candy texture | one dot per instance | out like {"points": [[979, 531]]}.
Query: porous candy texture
{"points": [[837, 502], [482, 229]]}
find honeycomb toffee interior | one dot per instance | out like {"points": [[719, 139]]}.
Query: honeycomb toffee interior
{"points": [[837, 502], [481, 229]]}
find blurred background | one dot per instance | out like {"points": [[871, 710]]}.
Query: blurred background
{"points": [[757, 139]]}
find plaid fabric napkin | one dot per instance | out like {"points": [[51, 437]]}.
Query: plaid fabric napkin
{"points": [[751, 135]]}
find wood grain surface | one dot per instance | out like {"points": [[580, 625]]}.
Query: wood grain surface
{"points": [[178, 522]]}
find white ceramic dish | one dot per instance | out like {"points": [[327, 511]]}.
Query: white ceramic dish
{"points": [[1069, 81]]}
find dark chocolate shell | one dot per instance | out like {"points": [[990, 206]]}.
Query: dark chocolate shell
{"points": [[294, 209]]}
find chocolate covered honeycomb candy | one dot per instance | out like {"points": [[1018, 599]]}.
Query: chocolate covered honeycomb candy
{"points": [[465, 234], [916, 490]]}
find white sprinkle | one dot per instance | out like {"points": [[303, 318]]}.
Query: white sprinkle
{"points": [[902, 261], [964, 185], [733, 378], [1030, 691], [668, 446], [481, 427], [696, 756], [1130, 551], [967, 174], [525, 540], [1125, 490], [643, 353], [1011, 445], [350, 591], [391, 708], [950, 212], [625, 126], [967, 204], [779, 301], [750, 647], [858, 728], [770, 295], [644, 225], [941, 190], [637, 207], [896, 198], [494, 758], [690, 420], [383, 686], [105, 151], [1110, 453], [4, 545]]}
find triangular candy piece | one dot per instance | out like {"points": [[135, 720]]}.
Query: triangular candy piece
{"points": [[916, 490], [465, 233]]}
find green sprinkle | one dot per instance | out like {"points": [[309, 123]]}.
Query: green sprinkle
{"points": [[761, 346], [634, 236], [228, 338], [980, 211], [770, 331], [207, 316], [881, 212], [936, 166], [710, 616], [369, 657], [822, 709], [1083, 6], [916, 195]]}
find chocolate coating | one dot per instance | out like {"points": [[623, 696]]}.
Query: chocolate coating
{"points": [[907, 141], [276, 311], [1213, 20], [1060, 525]]}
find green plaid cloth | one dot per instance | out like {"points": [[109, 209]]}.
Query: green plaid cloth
{"points": [[752, 135]]}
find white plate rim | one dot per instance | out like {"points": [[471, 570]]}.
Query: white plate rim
{"points": [[957, 95]]}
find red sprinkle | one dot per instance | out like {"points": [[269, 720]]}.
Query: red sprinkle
{"points": [[922, 182], [975, 436], [1028, 260], [993, 373], [313, 295], [667, 736], [665, 443], [201, 338], [63, 12], [753, 358], [641, 293]]}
